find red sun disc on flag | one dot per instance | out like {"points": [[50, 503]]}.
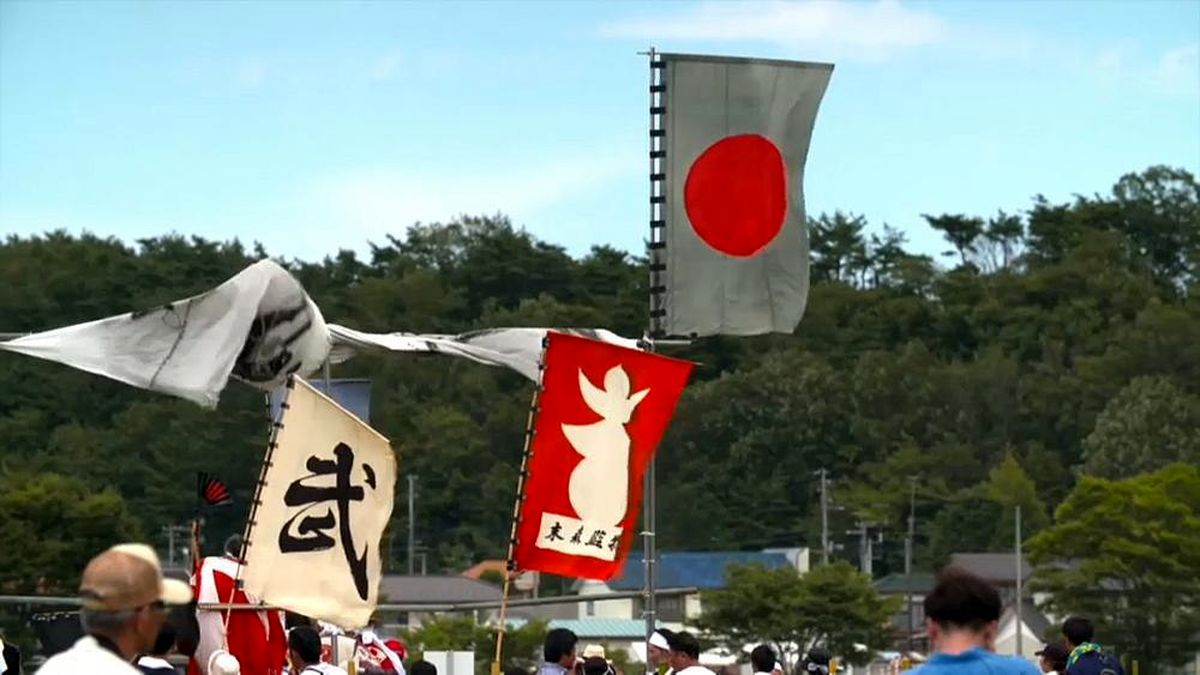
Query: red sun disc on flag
{"points": [[736, 194]]}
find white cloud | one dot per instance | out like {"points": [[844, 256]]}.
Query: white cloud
{"points": [[828, 27], [1127, 65], [1178, 71]]}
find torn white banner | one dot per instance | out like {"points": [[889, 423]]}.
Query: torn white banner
{"points": [[259, 326], [517, 348]]}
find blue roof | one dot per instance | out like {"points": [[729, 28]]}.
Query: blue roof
{"points": [[703, 570], [633, 629], [594, 628]]}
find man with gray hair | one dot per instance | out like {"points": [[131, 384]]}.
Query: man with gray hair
{"points": [[124, 599]]}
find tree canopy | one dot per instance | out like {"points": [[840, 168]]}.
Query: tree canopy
{"points": [[1049, 342], [1126, 554], [834, 605]]}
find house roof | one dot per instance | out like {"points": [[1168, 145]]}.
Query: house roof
{"points": [[479, 568], [919, 583], [998, 568], [435, 589], [592, 628], [696, 569], [1031, 616], [569, 609], [595, 628]]}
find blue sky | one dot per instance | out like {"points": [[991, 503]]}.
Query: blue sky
{"points": [[313, 126]]}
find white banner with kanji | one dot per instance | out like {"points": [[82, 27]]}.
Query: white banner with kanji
{"points": [[324, 501]]}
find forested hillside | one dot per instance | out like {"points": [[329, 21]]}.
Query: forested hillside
{"points": [[1060, 341]]}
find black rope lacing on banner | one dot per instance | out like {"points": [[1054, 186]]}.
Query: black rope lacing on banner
{"points": [[658, 189]]}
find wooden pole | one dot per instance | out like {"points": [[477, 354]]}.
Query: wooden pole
{"points": [[510, 566]]}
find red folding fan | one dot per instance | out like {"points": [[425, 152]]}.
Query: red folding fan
{"points": [[211, 490]]}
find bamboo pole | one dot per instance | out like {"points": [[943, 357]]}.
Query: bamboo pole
{"points": [[510, 566]]}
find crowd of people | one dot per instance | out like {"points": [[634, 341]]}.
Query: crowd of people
{"points": [[125, 601], [963, 615]]}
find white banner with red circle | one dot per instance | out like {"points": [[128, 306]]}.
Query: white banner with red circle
{"points": [[737, 136]]}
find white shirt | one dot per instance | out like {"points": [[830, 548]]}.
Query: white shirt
{"points": [[87, 656], [695, 670], [322, 669], [154, 662]]}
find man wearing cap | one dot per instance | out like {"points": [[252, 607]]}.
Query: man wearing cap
{"points": [[1053, 659], [816, 662], [124, 605]]}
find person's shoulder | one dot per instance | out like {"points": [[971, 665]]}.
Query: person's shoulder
{"points": [[1095, 663]]}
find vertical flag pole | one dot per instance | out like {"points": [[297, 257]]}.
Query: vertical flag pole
{"points": [[657, 244], [511, 565], [247, 531]]}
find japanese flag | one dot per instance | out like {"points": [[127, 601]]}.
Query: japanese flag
{"points": [[735, 137], [601, 413]]}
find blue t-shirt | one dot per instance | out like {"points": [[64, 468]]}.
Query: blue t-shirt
{"points": [[976, 661]]}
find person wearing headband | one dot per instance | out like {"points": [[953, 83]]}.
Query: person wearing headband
{"points": [[659, 650]]}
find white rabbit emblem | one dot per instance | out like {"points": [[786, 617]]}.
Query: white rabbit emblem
{"points": [[599, 486]]}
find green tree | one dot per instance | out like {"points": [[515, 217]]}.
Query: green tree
{"points": [[1002, 239], [983, 518], [963, 232], [51, 525], [899, 368], [463, 632], [1127, 554], [837, 246], [1161, 221], [1151, 423], [833, 605]]}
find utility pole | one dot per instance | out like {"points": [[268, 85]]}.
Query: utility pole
{"points": [[866, 549], [824, 517], [412, 530], [170, 544], [1020, 589], [171, 532], [908, 555]]}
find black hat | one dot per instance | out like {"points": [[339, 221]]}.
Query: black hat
{"points": [[819, 655], [1053, 650]]}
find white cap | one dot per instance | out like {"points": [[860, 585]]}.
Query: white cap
{"points": [[658, 640], [593, 652], [223, 663]]}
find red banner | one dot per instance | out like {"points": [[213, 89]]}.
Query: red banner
{"points": [[602, 411]]}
